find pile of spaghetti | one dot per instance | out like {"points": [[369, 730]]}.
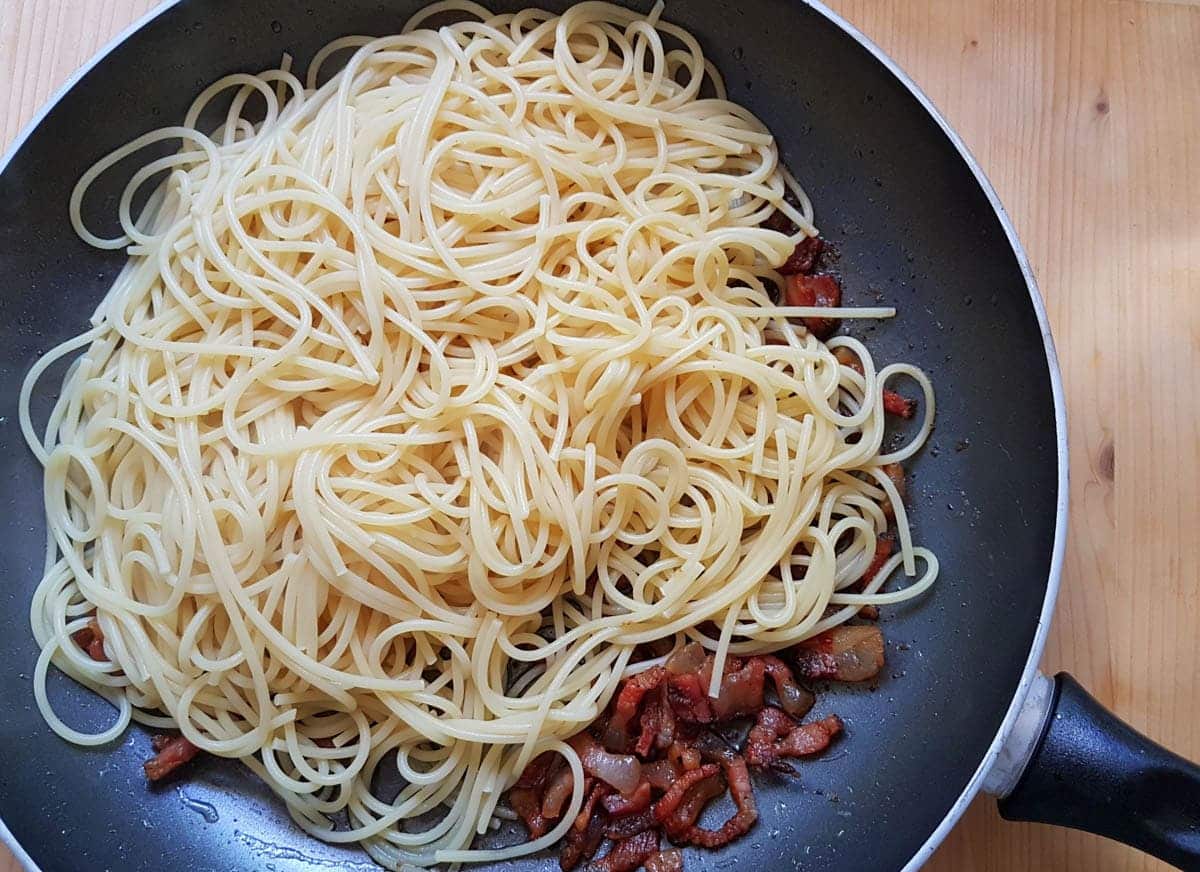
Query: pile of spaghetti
{"points": [[439, 395]]}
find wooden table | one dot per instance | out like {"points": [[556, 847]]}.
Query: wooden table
{"points": [[1086, 116]]}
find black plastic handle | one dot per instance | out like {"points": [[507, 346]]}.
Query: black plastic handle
{"points": [[1092, 771]]}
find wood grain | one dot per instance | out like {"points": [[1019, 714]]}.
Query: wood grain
{"points": [[1084, 114]]}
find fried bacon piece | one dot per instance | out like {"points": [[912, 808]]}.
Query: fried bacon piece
{"points": [[688, 697], [91, 640], [689, 807], [598, 791], [803, 257], [794, 699], [629, 700], [557, 791], [895, 404], [738, 777], [628, 855], [843, 653], [581, 844], [822, 291], [680, 764], [741, 690], [776, 735], [657, 724], [685, 757], [619, 806], [661, 773], [173, 752], [524, 802], [666, 806], [848, 358], [631, 824], [526, 795]]}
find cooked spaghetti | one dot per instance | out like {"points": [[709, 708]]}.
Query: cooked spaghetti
{"points": [[436, 388]]}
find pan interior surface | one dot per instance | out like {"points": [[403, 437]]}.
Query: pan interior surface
{"points": [[913, 229]]}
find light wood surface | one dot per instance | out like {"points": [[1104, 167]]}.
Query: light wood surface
{"points": [[1086, 116]]}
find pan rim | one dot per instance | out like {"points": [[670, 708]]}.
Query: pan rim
{"points": [[1054, 579]]}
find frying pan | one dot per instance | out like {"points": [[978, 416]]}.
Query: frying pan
{"points": [[960, 706]]}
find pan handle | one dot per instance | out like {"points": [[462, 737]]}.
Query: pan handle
{"points": [[1073, 763]]}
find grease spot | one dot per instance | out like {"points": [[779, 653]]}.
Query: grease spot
{"points": [[206, 810], [272, 851]]}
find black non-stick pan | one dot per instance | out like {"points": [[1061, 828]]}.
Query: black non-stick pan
{"points": [[960, 706]]}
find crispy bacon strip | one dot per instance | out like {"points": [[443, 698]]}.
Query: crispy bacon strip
{"points": [[557, 792], [669, 802], [694, 800], [618, 806], [91, 639], [598, 792], [528, 806], [803, 257], [894, 404], [683, 757], [741, 690], [823, 291], [657, 725], [631, 825], [743, 819], [776, 735], [814, 664], [622, 771], [794, 699], [526, 795], [581, 845], [172, 754], [661, 773], [629, 700], [628, 855], [689, 698]]}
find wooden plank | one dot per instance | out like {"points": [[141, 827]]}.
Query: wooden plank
{"points": [[1083, 113]]}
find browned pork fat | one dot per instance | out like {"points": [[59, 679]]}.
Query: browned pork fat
{"points": [[843, 653], [803, 257], [628, 855], [821, 291], [775, 735], [91, 640]]}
